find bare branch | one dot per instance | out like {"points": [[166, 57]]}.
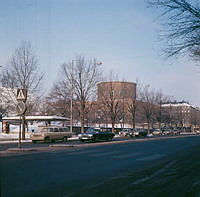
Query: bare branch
{"points": [[182, 26]]}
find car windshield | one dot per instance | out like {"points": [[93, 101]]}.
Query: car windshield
{"points": [[49, 130], [92, 130], [44, 130]]}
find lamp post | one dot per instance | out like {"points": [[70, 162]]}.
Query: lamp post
{"points": [[1, 79], [71, 100]]}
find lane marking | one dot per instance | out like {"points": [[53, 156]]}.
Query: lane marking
{"points": [[150, 157], [125, 156], [154, 174]]}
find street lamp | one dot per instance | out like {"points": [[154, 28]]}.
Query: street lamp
{"points": [[0, 77], [97, 63], [71, 101]]}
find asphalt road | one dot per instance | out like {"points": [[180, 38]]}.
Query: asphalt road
{"points": [[67, 171], [4, 145]]}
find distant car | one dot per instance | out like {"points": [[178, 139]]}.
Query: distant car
{"points": [[150, 135], [91, 129], [96, 136], [134, 134], [156, 132], [50, 134], [176, 132], [126, 132], [139, 133], [166, 132]]}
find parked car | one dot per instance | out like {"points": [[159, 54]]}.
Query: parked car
{"points": [[51, 133], [165, 131], [91, 129], [139, 132], [96, 135], [176, 132], [126, 132], [156, 132], [150, 135]]}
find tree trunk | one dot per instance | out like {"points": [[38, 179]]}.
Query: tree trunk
{"points": [[113, 126], [133, 122], [148, 126], [159, 125], [82, 117]]}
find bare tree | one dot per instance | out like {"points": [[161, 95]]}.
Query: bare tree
{"points": [[132, 104], [160, 98], [131, 107], [58, 100], [22, 72], [109, 99], [83, 76], [182, 26], [147, 107], [102, 113]]}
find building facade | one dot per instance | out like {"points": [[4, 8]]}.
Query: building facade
{"points": [[182, 114]]}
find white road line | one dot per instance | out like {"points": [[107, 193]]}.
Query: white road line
{"points": [[125, 156], [106, 153], [150, 157]]}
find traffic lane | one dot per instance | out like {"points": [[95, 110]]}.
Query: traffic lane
{"points": [[58, 158], [5, 146], [11, 144], [66, 170]]}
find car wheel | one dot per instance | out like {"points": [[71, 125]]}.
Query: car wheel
{"points": [[47, 139], [65, 139]]}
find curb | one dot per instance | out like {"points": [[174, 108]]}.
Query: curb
{"points": [[61, 145], [21, 149]]}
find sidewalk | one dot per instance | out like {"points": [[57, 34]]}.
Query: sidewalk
{"points": [[11, 136], [14, 137]]}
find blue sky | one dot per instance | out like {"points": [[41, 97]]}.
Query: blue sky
{"points": [[122, 34]]}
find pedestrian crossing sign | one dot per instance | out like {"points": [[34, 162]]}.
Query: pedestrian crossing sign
{"points": [[21, 94]]}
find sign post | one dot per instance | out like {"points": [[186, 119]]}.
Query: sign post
{"points": [[21, 109], [20, 128]]}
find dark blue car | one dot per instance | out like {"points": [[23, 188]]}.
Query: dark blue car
{"points": [[94, 135]]}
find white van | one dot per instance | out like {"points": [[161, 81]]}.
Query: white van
{"points": [[51, 133]]}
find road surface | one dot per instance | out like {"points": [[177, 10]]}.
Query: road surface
{"points": [[67, 171]]}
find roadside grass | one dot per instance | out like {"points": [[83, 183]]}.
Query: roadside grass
{"points": [[174, 177]]}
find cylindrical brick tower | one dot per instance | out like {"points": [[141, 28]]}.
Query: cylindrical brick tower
{"points": [[120, 89]]}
